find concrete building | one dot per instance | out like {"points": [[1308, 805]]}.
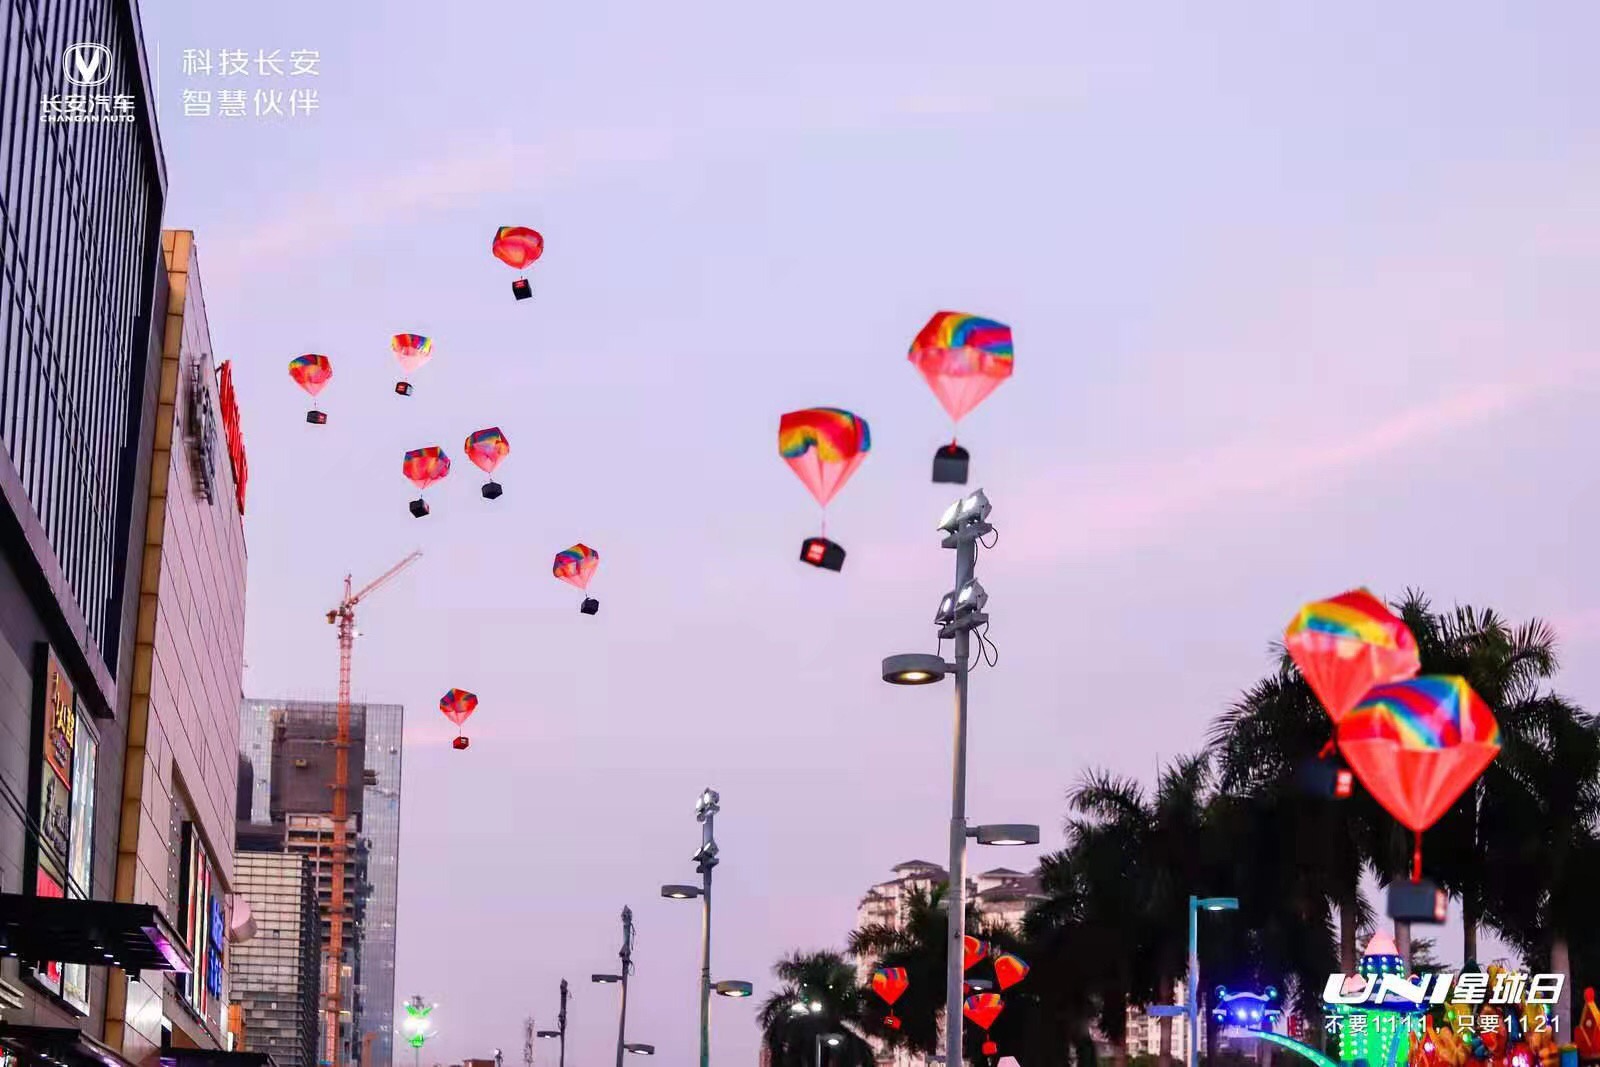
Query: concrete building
{"points": [[180, 775], [273, 977], [288, 744], [82, 292]]}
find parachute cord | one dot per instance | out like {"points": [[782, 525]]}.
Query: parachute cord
{"points": [[1416, 858], [824, 523]]}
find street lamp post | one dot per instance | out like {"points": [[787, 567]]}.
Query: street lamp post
{"points": [[1196, 906], [417, 1026], [626, 956], [705, 858], [831, 1040], [960, 612], [561, 1024]]}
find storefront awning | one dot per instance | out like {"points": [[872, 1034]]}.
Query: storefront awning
{"points": [[100, 933], [58, 1046], [206, 1057]]}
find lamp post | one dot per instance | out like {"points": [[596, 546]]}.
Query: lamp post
{"points": [[561, 1023], [417, 1027], [705, 858], [960, 612], [831, 1040], [1196, 906], [626, 955]]}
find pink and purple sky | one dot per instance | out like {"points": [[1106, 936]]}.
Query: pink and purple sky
{"points": [[1303, 299]]}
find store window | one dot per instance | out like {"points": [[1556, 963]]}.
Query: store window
{"points": [[204, 926], [65, 768]]}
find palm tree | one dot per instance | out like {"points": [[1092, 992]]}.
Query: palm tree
{"points": [[917, 943], [1508, 667], [818, 996]]}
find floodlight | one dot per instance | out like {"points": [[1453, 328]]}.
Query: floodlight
{"points": [[823, 553], [947, 608], [1005, 834], [522, 288], [640, 1049], [733, 988], [976, 506], [710, 803], [680, 892], [971, 598], [952, 514], [913, 668], [605, 979]]}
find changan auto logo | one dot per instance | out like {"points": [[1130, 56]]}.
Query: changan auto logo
{"points": [[86, 64]]}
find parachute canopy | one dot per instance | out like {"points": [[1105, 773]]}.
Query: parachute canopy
{"points": [[576, 565], [890, 983], [823, 446], [973, 952], [487, 448], [425, 466], [983, 1009], [412, 350], [457, 704], [1009, 970], [517, 246], [963, 358], [311, 372], [1346, 645]]}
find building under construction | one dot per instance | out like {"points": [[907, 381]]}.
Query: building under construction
{"points": [[291, 748]]}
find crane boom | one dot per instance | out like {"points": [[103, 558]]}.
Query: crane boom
{"points": [[345, 616]]}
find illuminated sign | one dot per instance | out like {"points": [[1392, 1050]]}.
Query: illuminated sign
{"points": [[202, 426], [229, 403], [58, 730]]}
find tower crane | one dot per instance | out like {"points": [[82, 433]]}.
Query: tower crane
{"points": [[344, 616]]}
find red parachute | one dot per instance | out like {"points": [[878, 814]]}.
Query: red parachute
{"points": [[1417, 745], [457, 705], [312, 372], [1009, 970], [973, 952], [487, 449], [890, 983], [424, 467], [518, 247], [982, 1010]]}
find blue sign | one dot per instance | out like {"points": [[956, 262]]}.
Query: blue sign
{"points": [[214, 950]]}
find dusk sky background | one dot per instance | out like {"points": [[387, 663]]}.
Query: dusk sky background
{"points": [[1303, 299]]}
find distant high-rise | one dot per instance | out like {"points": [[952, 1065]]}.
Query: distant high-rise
{"points": [[274, 976], [289, 746]]}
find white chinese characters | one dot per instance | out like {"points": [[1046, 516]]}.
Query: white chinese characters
{"points": [[267, 68]]}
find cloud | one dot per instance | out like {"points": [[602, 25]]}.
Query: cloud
{"points": [[491, 162], [1067, 515]]}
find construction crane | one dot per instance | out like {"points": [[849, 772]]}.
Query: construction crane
{"points": [[344, 616]]}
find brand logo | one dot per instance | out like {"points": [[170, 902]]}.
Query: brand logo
{"points": [[86, 64], [1507, 988]]}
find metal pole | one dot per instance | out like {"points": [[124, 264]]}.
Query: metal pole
{"points": [[705, 965], [966, 560], [627, 965], [819, 1050], [1193, 999], [561, 1021]]}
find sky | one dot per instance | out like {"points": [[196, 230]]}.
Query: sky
{"points": [[1302, 297]]}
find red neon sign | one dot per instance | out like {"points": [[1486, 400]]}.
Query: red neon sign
{"points": [[230, 429]]}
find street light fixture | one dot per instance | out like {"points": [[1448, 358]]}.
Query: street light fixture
{"points": [[831, 1040], [915, 668], [560, 1032], [1006, 834], [705, 859], [638, 1049], [1196, 906], [605, 979], [960, 612]]}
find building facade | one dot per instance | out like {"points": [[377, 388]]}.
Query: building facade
{"points": [[273, 977], [181, 767], [81, 292], [293, 792]]}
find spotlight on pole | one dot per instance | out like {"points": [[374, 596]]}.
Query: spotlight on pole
{"points": [[914, 668], [1005, 834], [733, 988]]}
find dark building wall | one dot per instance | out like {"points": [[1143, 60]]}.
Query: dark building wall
{"points": [[80, 277], [303, 758]]}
